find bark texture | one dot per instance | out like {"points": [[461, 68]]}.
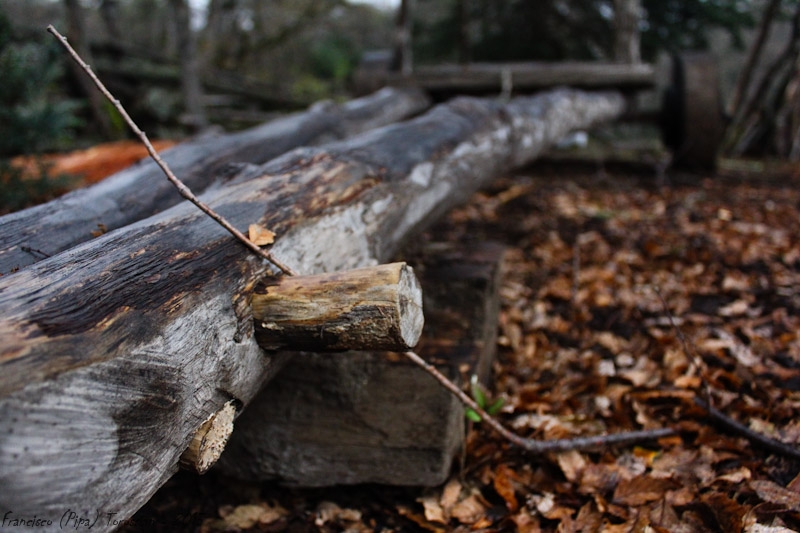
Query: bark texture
{"points": [[372, 308], [115, 351], [142, 190]]}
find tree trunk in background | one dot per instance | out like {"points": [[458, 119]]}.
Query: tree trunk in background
{"points": [[626, 35], [754, 129], [77, 37], [743, 81], [187, 52], [109, 11], [464, 41], [403, 60]]}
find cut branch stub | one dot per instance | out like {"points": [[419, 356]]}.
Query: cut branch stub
{"points": [[209, 440], [373, 308]]}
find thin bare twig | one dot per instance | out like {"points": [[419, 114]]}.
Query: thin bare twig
{"points": [[717, 416], [182, 188], [756, 438], [540, 446]]}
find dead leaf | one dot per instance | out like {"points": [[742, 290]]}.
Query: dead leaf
{"points": [[469, 510], [641, 490], [248, 516], [330, 512], [572, 464], [771, 492], [450, 493], [260, 235], [433, 509], [504, 486]]}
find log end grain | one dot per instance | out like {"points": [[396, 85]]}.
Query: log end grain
{"points": [[372, 308], [209, 441]]}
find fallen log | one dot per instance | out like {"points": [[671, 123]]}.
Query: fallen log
{"points": [[141, 191], [117, 350]]}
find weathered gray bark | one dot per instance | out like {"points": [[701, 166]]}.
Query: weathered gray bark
{"points": [[142, 190], [115, 351]]}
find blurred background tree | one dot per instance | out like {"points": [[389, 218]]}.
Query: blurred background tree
{"points": [[518, 30], [253, 58], [34, 117]]}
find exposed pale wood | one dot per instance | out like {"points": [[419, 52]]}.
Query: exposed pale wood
{"points": [[371, 308], [142, 190], [115, 351], [209, 440], [366, 417]]}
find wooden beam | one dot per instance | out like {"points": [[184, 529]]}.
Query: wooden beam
{"points": [[115, 351], [142, 190], [371, 308], [525, 77]]}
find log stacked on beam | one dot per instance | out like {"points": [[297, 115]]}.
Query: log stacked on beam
{"points": [[367, 417], [117, 350], [141, 191]]}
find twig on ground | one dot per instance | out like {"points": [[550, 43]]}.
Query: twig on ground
{"points": [[756, 438], [182, 188], [717, 416], [540, 446]]}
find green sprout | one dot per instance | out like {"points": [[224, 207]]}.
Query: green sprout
{"points": [[481, 398]]}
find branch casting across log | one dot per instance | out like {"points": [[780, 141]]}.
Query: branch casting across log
{"points": [[182, 189]]}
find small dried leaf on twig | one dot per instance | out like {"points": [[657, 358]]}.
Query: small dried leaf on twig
{"points": [[260, 235]]}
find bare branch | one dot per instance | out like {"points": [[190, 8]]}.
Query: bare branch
{"points": [[540, 446], [182, 188]]}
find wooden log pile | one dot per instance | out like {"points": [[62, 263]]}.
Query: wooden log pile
{"points": [[206, 162], [117, 350]]}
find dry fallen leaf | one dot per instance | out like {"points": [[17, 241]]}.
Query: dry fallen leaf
{"points": [[260, 235]]}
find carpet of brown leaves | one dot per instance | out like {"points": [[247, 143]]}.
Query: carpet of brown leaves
{"points": [[605, 273]]}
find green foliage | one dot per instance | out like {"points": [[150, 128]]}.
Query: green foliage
{"points": [[334, 58], [480, 397], [675, 25], [32, 120], [516, 30]]}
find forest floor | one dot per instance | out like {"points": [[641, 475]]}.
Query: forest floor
{"points": [[624, 299]]}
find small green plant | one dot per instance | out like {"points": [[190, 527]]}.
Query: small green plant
{"points": [[481, 398]]}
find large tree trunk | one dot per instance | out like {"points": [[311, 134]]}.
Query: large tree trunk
{"points": [[116, 351], [142, 190]]}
